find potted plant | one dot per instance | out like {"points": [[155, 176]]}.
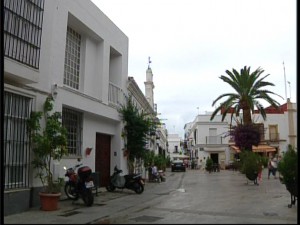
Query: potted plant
{"points": [[47, 144], [288, 170]]}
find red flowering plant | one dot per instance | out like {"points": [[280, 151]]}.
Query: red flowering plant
{"points": [[245, 136]]}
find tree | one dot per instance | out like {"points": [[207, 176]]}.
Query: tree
{"points": [[47, 144], [137, 128], [249, 88]]}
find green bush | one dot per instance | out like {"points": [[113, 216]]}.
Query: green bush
{"points": [[251, 163], [288, 166], [209, 164]]}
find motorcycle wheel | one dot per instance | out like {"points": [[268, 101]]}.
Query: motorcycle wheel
{"points": [[110, 187], [87, 197], [138, 188], [71, 191]]}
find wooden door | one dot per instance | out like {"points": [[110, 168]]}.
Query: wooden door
{"points": [[102, 158]]}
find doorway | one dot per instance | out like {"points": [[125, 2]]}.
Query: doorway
{"points": [[102, 158], [215, 157]]}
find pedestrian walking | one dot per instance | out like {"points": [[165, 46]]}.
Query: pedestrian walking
{"points": [[272, 166]]}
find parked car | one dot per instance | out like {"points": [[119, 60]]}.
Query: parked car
{"points": [[178, 166]]}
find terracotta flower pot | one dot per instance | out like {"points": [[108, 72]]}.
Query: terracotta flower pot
{"points": [[49, 201]]}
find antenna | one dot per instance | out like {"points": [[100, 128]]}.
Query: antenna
{"points": [[290, 89], [284, 80]]}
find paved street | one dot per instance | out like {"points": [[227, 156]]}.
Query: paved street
{"points": [[193, 197]]}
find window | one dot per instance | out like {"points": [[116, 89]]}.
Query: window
{"points": [[72, 59], [72, 121], [273, 133], [176, 149], [212, 138], [23, 21], [261, 130], [17, 110]]}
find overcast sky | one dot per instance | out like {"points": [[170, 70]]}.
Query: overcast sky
{"points": [[192, 43]]}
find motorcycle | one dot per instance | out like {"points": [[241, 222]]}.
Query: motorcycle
{"points": [[133, 182], [80, 184]]}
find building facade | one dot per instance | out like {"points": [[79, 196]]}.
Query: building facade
{"points": [[71, 50]]}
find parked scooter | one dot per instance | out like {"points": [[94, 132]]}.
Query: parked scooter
{"points": [[133, 182], [80, 184]]}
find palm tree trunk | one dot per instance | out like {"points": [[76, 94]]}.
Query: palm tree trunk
{"points": [[247, 116]]}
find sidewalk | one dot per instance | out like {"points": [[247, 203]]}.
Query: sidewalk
{"points": [[67, 208]]}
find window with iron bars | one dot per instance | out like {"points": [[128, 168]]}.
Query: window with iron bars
{"points": [[72, 59], [23, 20], [72, 121], [17, 110]]}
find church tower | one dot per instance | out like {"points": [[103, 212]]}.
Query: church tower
{"points": [[149, 86]]}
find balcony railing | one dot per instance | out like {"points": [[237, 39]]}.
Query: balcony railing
{"points": [[214, 140], [274, 136], [116, 96]]}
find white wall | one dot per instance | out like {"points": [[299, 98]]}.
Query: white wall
{"points": [[99, 36]]}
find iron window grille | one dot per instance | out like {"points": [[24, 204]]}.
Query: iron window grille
{"points": [[23, 20], [17, 110], [72, 59], [72, 121]]}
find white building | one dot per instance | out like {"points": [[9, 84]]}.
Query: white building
{"points": [[71, 50], [175, 147], [207, 138]]}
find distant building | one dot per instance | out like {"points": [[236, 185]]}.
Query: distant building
{"points": [[205, 138], [175, 149]]}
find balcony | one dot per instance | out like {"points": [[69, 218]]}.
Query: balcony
{"points": [[116, 96], [274, 137], [214, 140]]}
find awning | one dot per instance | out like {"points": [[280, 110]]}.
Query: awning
{"points": [[259, 148], [178, 156]]}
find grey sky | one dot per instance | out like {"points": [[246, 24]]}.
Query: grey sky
{"points": [[192, 42]]}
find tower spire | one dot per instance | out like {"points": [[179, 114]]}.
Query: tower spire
{"points": [[149, 61]]}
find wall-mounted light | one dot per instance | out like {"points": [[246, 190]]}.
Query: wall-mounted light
{"points": [[54, 90]]}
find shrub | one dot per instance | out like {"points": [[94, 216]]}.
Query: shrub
{"points": [[288, 166], [209, 164], [250, 164]]}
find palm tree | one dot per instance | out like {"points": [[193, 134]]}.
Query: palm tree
{"points": [[249, 88]]}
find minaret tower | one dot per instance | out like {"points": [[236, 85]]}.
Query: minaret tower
{"points": [[149, 86]]}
